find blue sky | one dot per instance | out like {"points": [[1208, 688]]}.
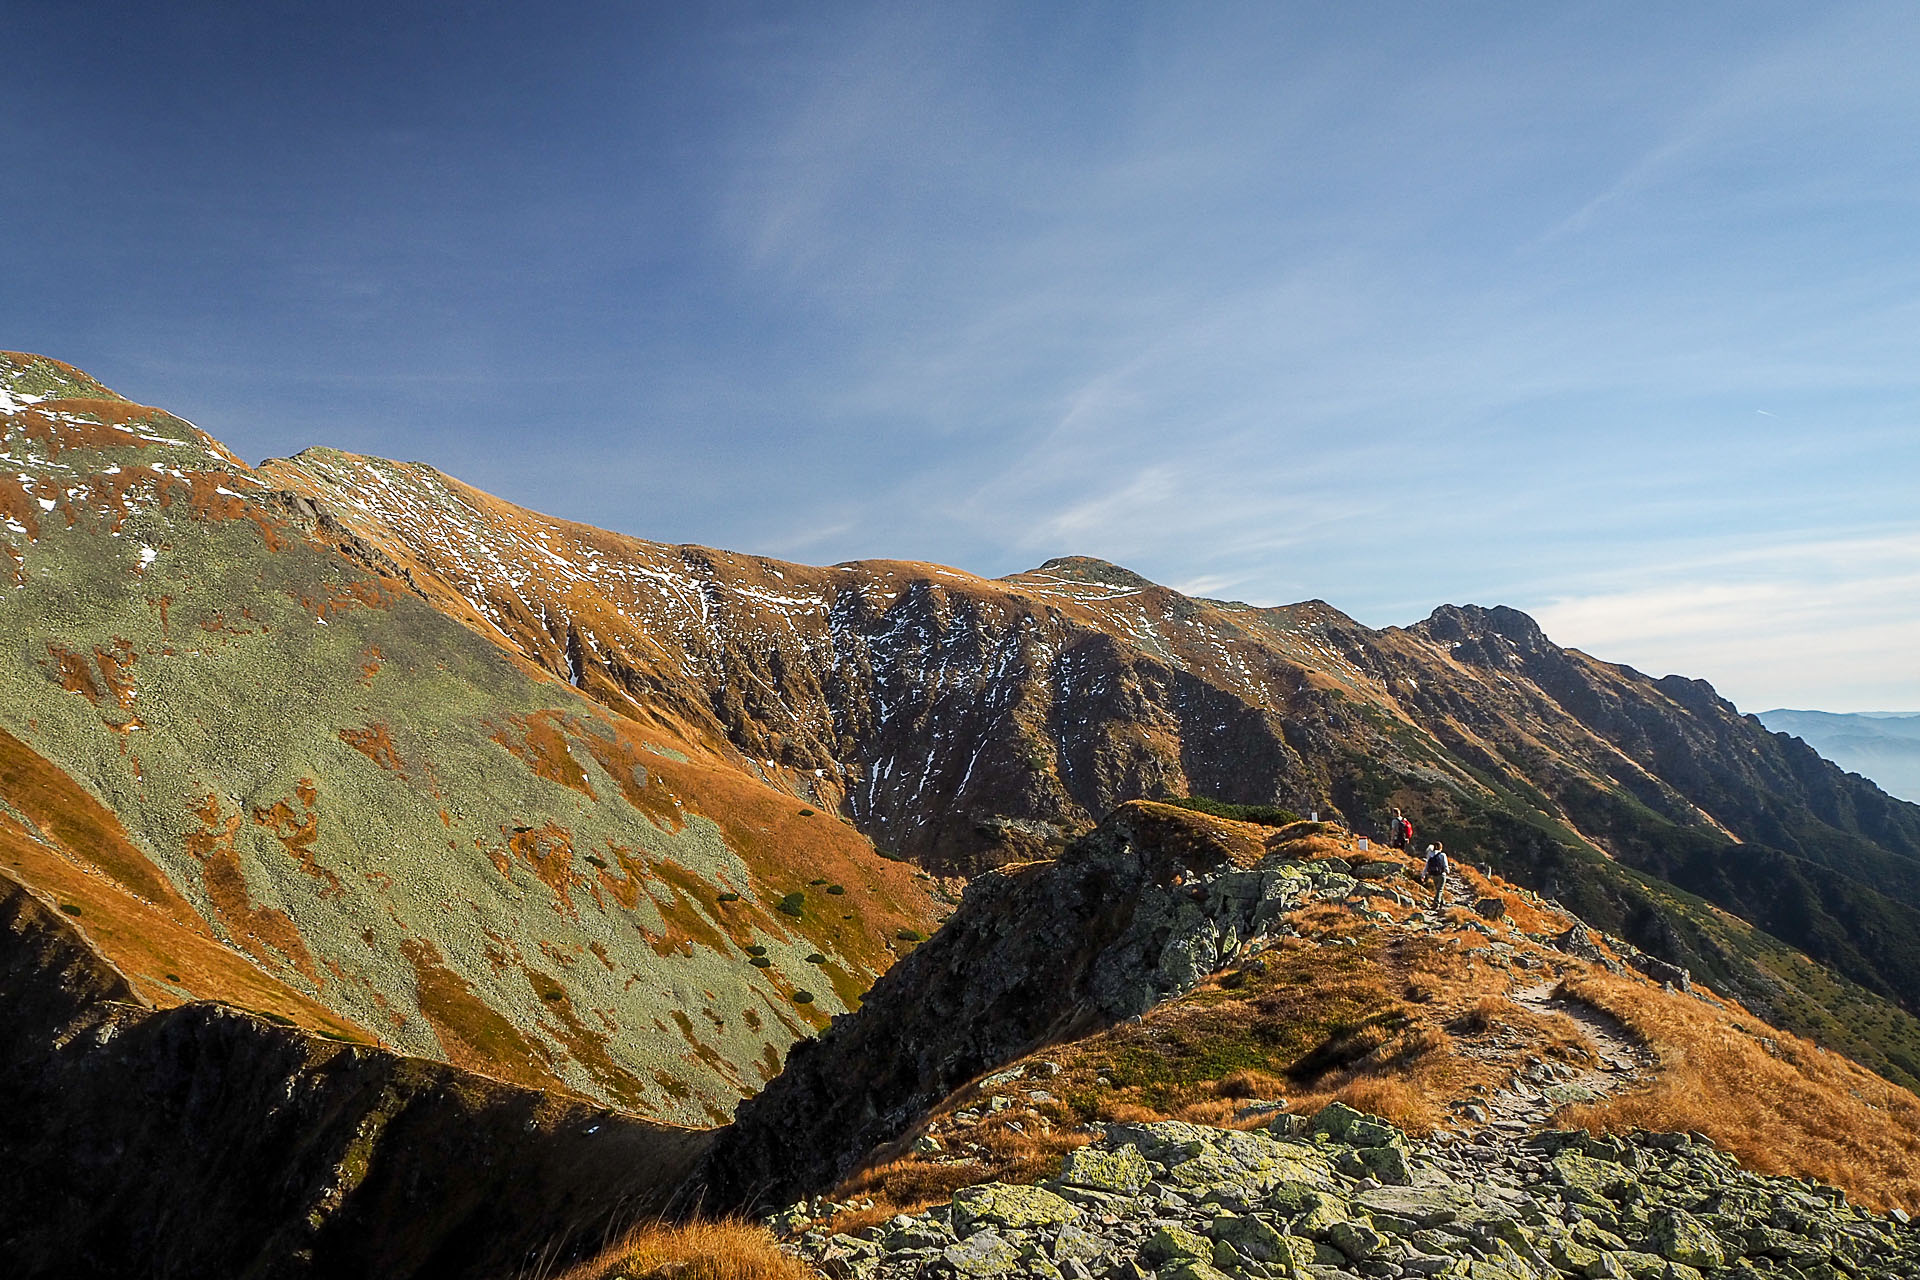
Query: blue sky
{"points": [[1610, 314]]}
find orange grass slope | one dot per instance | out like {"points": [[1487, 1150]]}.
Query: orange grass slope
{"points": [[726, 1249], [1417, 1019], [1778, 1102]]}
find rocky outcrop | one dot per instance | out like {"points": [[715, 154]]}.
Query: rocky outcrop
{"points": [[1138, 911], [1309, 1201], [202, 1141]]}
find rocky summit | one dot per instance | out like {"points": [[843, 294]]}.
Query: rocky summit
{"points": [[1341, 1196]]}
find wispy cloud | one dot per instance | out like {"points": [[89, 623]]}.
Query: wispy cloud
{"points": [[1833, 624]]}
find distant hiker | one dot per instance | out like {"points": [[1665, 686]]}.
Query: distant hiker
{"points": [[1437, 871], [1400, 832]]}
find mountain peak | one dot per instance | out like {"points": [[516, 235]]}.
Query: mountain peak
{"points": [[1461, 622], [28, 379], [1093, 569]]}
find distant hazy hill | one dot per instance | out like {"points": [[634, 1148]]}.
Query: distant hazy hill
{"points": [[1882, 745]]}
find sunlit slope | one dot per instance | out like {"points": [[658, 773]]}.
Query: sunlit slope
{"points": [[963, 721], [947, 713], [417, 833]]}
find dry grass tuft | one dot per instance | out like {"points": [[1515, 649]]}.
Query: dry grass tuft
{"points": [[1115, 1111], [1249, 1083], [1779, 1103], [727, 1249], [1018, 1146], [1488, 1013], [1026, 1154], [911, 1181], [1394, 1100], [1220, 1113]]}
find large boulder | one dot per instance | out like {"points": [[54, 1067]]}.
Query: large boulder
{"points": [[1002, 1204], [1121, 1170], [1172, 1243], [1678, 1236], [983, 1254]]}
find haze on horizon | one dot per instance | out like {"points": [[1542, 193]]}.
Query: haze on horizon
{"points": [[1611, 318]]}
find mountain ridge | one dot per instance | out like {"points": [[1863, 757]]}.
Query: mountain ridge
{"points": [[1019, 710], [1081, 684], [350, 745]]}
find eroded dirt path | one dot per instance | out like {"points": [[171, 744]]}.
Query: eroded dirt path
{"points": [[1543, 1086], [1540, 1086]]}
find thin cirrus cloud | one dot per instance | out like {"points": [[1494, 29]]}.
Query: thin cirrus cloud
{"points": [[1386, 306], [1762, 616]]}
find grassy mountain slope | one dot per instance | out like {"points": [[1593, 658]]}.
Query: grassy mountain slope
{"points": [[951, 719], [417, 835]]}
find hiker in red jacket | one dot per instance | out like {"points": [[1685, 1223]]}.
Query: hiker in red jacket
{"points": [[1400, 832]]}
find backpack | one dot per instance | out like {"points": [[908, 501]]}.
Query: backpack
{"points": [[1436, 863], [1406, 831]]}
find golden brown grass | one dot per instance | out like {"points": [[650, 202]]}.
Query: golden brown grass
{"points": [[1249, 1083], [1790, 1108], [906, 1185], [726, 1249], [998, 1152], [1403, 1024], [1397, 1101], [1488, 1013]]}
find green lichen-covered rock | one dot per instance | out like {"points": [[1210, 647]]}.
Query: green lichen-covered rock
{"points": [[1122, 1170], [1299, 1254], [1389, 1164], [1678, 1236], [1003, 1205], [1206, 1170], [1356, 1129], [1595, 1179], [1170, 1244], [1255, 1167], [1290, 1197], [1074, 1241], [1334, 1120], [1249, 1237], [1168, 1141], [1322, 1215], [983, 1254], [1423, 1206], [1193, 1270], [1508, 1268], [1641, 1266], [1355, 1240], [1569, 1254]]}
